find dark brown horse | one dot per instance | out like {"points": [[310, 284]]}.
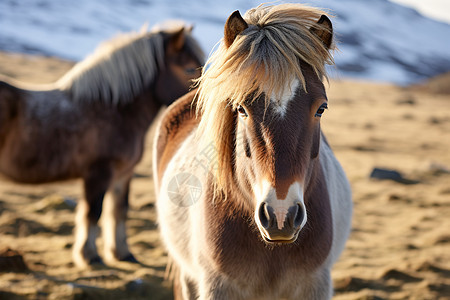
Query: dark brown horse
{"points": [[91, 124], [252, 203]]}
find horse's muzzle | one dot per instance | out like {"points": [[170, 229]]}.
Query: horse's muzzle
{"points": [[280, 226]]}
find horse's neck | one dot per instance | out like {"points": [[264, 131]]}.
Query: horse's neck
{"points": [[175, 126], [142, 110]]}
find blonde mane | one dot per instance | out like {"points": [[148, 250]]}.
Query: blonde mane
{"points": [[120, 68], [263, 59]]}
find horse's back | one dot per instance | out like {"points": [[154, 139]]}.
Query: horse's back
{"points": [[177, 122], [35, 123], [340, 197], [20, 86], [12, 92], [8, 90], [9, 96]]}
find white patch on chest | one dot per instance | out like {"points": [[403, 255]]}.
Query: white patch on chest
{"points": [[281, 102]]}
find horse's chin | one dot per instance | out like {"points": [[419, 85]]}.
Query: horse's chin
{"points": [[279, 241]]}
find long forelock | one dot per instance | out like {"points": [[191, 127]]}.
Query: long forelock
{"points": [[266, 55], [262, 60]]}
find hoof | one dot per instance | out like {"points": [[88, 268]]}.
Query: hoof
{"points": [[96, 261], [130, 258]]}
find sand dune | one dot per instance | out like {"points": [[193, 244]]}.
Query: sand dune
{"points": [[399, 247]]}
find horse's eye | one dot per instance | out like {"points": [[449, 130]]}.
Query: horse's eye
{"points": [[321, 110], [242, 111], [190, 71]]}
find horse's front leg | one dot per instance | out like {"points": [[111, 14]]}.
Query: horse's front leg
{"points": [[317, 287], [184, 288], [89, 209], [114, 218], [216, 287]]}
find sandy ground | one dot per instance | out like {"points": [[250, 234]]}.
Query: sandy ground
{"points": [[399, 247]]}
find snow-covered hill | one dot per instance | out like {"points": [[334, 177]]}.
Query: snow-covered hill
{"points": [[379, 40]]}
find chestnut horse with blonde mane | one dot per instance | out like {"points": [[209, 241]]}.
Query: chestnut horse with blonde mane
{"points": [[92, 123], [252, 203]]}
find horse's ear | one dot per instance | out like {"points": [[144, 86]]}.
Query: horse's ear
{"points": [[177, 40], [235, 24], [324, 31]]}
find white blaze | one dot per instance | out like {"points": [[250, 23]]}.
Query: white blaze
{"points": [[287, 95], [280, 209]]}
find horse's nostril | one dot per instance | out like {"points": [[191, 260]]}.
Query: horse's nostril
{"points": [[263, 215], [292, 215], [299, 216]]}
